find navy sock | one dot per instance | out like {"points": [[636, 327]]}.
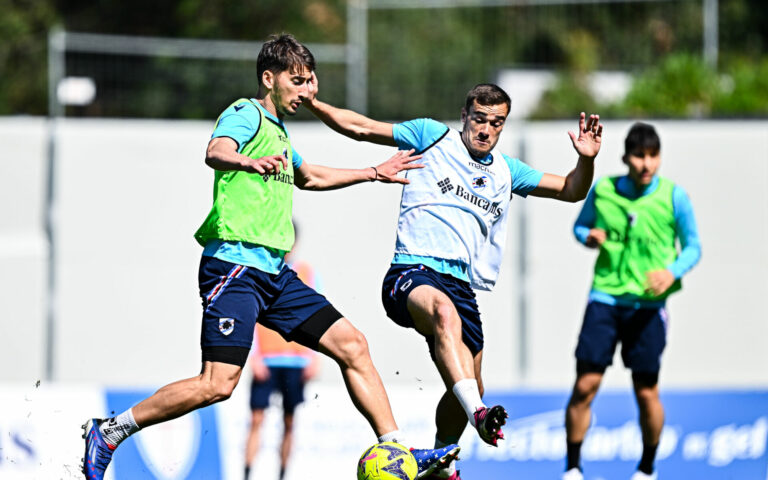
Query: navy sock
{"points": [[649, 455], [574, 455]]}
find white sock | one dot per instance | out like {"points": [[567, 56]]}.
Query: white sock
{"points": [[469, 397], [117, 429], [451, 468], [393, 436]]}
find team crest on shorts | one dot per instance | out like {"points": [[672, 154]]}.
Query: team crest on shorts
{"points": [[226, 325]]}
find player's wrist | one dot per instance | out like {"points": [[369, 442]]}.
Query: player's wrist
{"points": [[375, 174]]}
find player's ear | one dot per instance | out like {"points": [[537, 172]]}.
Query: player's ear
{"points": [[624, 159], [463, 114], [268, 79]]}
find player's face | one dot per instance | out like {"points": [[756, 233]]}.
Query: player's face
{"points": [[643, 165], [482, 127], [289, 87]]}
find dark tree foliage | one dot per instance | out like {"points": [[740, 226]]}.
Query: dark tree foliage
{"points": [[24, 26], [421, 61]]}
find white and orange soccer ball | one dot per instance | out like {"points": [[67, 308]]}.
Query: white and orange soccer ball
{"points": [[387, 461]]}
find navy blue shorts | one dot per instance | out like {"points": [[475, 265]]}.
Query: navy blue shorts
{"points": [[287, 381], [401, 279], [641, 331], [235, 297]]}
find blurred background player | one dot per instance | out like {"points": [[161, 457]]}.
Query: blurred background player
{"points": [[281, 366], [451, 234], [634, 221], [243, 277]]}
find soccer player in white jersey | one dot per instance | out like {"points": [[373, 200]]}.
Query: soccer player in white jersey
{"points": [[451, 234]]}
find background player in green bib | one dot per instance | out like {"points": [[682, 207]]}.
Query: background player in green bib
{"points": [[634, 220], [243, 277]]}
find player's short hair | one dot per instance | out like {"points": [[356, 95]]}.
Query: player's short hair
{"points": [[642, 137], [283, 52], [487, 94]]}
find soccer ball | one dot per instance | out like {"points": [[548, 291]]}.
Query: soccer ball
{"points": [[387, 461]]}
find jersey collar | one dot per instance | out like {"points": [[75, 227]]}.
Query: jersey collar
{"points": [[627, 187]]}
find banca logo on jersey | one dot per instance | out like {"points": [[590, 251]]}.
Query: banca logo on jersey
{"points": [[483, 203], [445, 185], [478, 182], [282, 177]]}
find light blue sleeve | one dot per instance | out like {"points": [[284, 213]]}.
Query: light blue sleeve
{"points": [[524, 178], [687, 232], [239, 122], [586, 219], [419, 134], [297, 160]]}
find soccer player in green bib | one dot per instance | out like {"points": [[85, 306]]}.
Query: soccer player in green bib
{"points": [[243, 276], [634, 221]]}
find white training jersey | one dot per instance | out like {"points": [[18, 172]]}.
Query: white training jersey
{"points": [[455, 208]]}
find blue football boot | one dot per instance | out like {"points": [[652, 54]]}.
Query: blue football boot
{"points": [[432, 460], [98, 453]]}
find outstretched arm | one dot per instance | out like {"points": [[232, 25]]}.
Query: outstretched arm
{"points": [[319, 177], [574, 186], [346, 122]]}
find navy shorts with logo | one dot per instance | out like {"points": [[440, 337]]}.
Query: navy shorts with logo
{"points": [[400, 280], [235, 297], [641, 331], [287, 381]]}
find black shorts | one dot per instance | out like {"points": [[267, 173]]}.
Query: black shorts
{"points": [[401, 279], [641, 331]]}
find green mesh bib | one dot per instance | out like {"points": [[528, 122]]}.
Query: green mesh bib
{"points": [[640, 239], [253, 208]]}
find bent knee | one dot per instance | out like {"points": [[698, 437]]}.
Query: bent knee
{"points": [[222, 392], [218, 391], [647, 396], [352, 348], [584, 391], [446, 319]]}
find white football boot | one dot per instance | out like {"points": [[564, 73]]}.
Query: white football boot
{"points": [[573, 474], [644, 476]]}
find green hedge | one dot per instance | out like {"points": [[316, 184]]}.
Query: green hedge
{"points": [[680, 86]]}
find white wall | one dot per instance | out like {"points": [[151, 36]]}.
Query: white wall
{"points": [[131, 194], [23, 248]]}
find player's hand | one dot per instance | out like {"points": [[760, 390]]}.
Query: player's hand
{"points": [[260, 370], [402, 160], [590, 136], [658, 281], [596, 237], [267, 165], [312, 89]]}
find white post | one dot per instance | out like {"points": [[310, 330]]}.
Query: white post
{"points": [[56, 69], [711, 32], [357, 53]]}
